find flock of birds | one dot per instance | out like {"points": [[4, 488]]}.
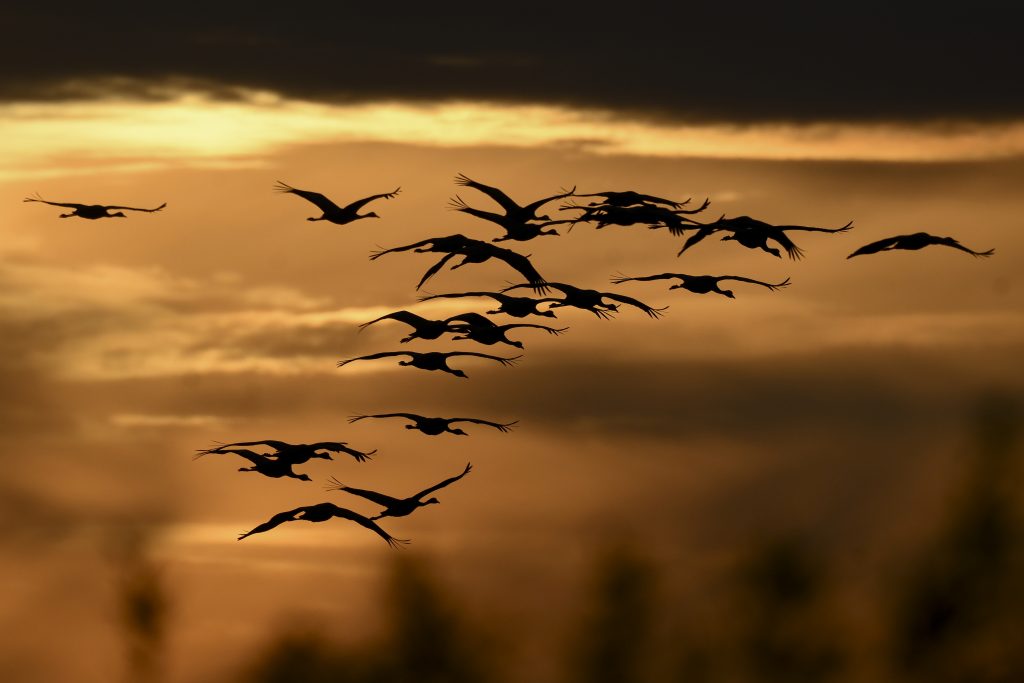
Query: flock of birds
{"points": [[520, 223]]}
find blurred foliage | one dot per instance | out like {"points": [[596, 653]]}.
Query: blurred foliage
{"points": [[952, 614]]}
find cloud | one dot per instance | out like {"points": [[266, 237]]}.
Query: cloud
{"points": [[693, 61]]}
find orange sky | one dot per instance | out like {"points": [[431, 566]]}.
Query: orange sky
{"points": [[131, 343]]}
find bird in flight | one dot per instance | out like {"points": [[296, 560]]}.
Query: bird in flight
{"points": [[297, 454], [630, 198], [422, 327], [431, 360], [701, 284], [593, 300], [512, 209], [321, 513], [515, 229], [398, 507], [483, 331], [918, 240], [515, 306], [339, 215], [472, 251], [93, 211], [265, 465], [434, 426], [754, 234]]}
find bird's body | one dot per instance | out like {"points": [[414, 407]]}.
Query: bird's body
{"points": [[339, 215], [512, 209], [913, 242], [754, 234], [472, 251], [322, 512], [265, 465], [297, 454], [93, 211], [431, 360], [515, 306], [434, 426], [477, 328], [593, 300], [515, 229], [423, 328], [398, 507], [702, 284]]}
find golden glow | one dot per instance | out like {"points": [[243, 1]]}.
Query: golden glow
{"points": [[46, 139]]}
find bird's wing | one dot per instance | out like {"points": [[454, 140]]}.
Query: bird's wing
{"points": [[410, 319], [276, 445], [696, 237], [456, 295], [653, 312], [951, 242], [408, 416], [369, 524], [132, 208], [433, 270], [503, 361], [360, 203], [780, 236], [497, 425], [845, 228], [494, 193], [689, 212], [769, 285], [471, 319], [533, 206], [66, 205], [341, 447], [550, 330], [446, 482], [459, 204], [276, 520], [875, 247], [375, 356], [315, 198], [660, 200], [373, 496], [618, 280], [252, 456], [521, 264], [374, 255]]}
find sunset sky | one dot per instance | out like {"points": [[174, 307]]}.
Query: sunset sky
{"points": [[836, 408]]}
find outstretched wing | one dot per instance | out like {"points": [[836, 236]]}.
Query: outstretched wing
{"points": [[794, 252], [315, 198], [503, 361], [493, 295], [275, 521], [276, 445], [360, 203], [342, 447], [875, 247], [132, 208], [533, 206], [521, 264], [444, 483], [845, 228], [408, 416], [619, 279], [494, 193], [375, 356], [434, 269], [457, 203], [66, 205], [369, 524], [374, 255], [769, 285], [373, 496], [622, 298], [696, 237], [951, 242], [471, 319], [410, 319], [550, 330], [497, 425]]}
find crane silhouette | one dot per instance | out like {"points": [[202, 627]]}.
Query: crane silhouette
{"points": [[754, 234], [434, 426], [472, 251], [593, 300], [398, 507], [298, 453], [339, 215], [515, 229], [515, 306], [512, 209], [918, 240], [265, 465], [701, 284], [93, 211], [321, 513], [431, 360], [423, 328], [483, 331]]}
